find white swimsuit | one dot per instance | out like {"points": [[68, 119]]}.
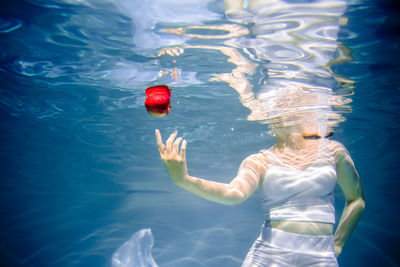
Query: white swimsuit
{"points": [[292, 194]]}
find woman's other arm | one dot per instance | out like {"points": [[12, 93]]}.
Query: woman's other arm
{"points": [[240, 188], [350, 184]]}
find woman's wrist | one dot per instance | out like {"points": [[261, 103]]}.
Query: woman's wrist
{"points": [[181, 181]]}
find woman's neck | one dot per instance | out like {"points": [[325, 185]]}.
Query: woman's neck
{"points": [[293, 141]]}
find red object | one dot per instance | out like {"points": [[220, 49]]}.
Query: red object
{"points": [[158, 100]]}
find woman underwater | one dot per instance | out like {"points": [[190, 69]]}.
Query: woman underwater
{"points": [[296, 178]]}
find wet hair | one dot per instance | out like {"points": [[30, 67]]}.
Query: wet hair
{"points": [[316, 136]]}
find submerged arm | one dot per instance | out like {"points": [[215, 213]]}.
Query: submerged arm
{"points": [[350, 184], [227, 31], [239, 189], [237, 79]]}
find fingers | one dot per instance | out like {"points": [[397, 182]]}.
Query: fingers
{"points": [[172, 51], [176, 145], [168, 144], [167, 51], [160, 145], [171, 147], [162, 52], [178, 51], [183, 150]]}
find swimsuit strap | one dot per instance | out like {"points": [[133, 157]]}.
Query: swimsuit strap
{"points": [[271, 157]]}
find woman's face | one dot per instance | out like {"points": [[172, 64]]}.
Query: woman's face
{"points": [[303, 122]]}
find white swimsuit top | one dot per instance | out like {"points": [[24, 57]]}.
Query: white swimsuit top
{"points": [[306, 194]]}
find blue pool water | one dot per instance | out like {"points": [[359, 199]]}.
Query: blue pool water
{"points": [[80, 172]]}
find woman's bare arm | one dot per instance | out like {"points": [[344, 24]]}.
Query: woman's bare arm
{"points": [[240, 188], [350, 184]]}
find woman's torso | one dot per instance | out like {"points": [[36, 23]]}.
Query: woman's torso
{"points": [[297, 189]]}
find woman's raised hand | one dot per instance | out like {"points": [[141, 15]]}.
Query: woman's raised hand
{"points": [[174, 159], [172, 51]]}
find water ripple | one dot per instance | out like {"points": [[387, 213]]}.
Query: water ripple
{"points": [[111, 46], [9, 25], [33, 68]]}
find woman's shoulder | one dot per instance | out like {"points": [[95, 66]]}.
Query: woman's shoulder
{"points": [[335, 146], [338, 150], [266, 153], [262, 157]]}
